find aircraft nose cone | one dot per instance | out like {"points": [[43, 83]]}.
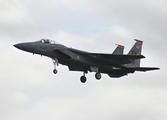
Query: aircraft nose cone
{"points": [[19, 46], [24, 46]]}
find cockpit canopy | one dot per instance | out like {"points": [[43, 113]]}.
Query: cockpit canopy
{"points": [[47, 41]]}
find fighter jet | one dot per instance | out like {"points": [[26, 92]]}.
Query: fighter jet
{"points": [[115, 65]]}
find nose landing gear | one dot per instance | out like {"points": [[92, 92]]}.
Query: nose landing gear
{"points": [[55, 71], [55, 63]]}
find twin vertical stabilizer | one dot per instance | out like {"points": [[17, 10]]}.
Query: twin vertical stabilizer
{"points": [[119, 50], [135, 50]]}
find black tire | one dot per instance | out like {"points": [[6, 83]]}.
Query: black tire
{"points": [[98, 76], [83, 79], [55, 71]]}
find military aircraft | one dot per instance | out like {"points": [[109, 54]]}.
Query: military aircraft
{"points": [[115, 65]]}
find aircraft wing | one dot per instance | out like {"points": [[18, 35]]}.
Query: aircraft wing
{"points": [[113, 56], [144, 69], [121, 59]]}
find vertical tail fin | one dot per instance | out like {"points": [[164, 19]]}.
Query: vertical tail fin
{"points": [[135, 50], [119, 50]]}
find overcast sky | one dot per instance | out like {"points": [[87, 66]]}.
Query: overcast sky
{"points": [[30, 91]]}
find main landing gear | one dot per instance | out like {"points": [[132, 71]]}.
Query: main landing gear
{"points": [[55, 63], [83, 78], [98, 76]]}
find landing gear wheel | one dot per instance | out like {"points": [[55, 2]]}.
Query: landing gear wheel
{"points": [[83, 79], [55, 63], [98, 76], [55, 71]]}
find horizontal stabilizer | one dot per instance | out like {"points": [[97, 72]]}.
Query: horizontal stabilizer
{"points": [[144, 69]]}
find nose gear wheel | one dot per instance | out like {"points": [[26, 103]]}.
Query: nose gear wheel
{"points": [[55, 71], [55, 63]]}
